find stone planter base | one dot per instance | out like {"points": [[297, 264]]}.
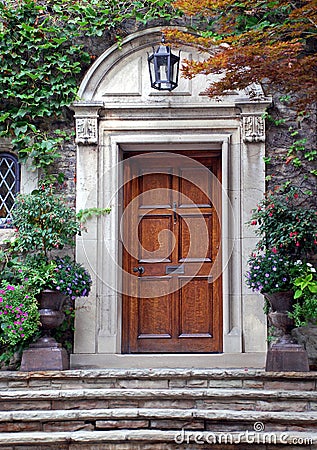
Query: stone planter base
{"points": [[44, 358], [287, 357]]}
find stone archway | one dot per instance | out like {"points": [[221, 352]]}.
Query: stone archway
{"points": [[118, 112]]}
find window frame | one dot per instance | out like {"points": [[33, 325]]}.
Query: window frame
{"points": [[17, 168]]}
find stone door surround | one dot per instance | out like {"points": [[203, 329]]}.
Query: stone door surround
{"points": [[117, 112]]}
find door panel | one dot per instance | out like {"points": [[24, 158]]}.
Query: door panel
{"points": [[171, 239], [196, 314], [155, 238]]}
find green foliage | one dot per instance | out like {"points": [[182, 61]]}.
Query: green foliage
{"points": [[271, 119], [19, 317], [42, 56], [44, 222], [85, 214], [305, 294], [33, 269]]}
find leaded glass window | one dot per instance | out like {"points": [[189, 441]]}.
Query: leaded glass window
{"points": [[9, 186]]}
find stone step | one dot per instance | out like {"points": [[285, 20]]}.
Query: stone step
{"points": [[157, 439], [154, 418], [236, 399], [159, 378], [148, 409]]}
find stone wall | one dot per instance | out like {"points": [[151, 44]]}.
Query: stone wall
{"points": [[279, 140]]}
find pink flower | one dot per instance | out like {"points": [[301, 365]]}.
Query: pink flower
{"points": [[274, 250], [10, 288]]}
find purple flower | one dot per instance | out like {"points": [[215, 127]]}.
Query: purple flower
{"points": [[267, 275], [10, 288]]}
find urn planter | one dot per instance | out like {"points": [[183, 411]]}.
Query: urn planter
{"points": [[46, 353], [285, 355]]}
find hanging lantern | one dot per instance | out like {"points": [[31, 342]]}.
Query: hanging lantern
{"points": [[164, 68]]}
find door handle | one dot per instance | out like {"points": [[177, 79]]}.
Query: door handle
{"points": [[139, 269]]}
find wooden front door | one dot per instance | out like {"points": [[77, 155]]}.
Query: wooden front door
{"points": [[171, 240]]}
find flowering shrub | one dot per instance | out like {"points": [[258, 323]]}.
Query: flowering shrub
{"points": [[19, 316], [285, 225], [44, 222], [287, 228], [269, 272], [71, 278]]}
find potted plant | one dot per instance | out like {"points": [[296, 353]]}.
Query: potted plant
{"points": [[44, 226], [286, 226]]}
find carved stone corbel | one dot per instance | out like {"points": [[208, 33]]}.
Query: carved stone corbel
{"points": [[253, 129], [86, 122], [87, 130]]}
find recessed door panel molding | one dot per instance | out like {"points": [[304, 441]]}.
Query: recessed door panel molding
{"points": [[195, 238], [156, 191], [195, 308], [156, 239]]}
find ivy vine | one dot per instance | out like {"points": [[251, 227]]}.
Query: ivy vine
{"points": [[43, 55]]}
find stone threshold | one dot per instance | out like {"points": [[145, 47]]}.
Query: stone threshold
{"points": [[254, 360]]}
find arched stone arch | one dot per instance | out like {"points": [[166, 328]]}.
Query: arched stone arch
{"points": [[117, 111]]}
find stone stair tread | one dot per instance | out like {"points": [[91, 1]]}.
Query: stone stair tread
{"points": [[101, 393], [203, 373], [148, 436], [156, 413]]}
